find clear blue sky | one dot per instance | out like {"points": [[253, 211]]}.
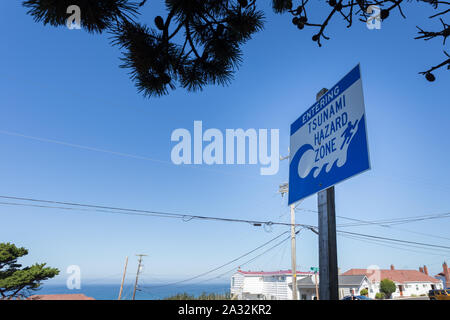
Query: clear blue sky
{"points": [[66, 85]]}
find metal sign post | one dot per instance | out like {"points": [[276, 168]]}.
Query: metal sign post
{"points": [[328, 268]]}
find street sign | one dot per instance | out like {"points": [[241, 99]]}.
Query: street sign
{"points": [[314, 269], [329, 141]]}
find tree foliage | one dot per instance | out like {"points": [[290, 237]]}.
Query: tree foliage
{"points": [[387, 287], [199, 42], [379, 295], [16, 281]]}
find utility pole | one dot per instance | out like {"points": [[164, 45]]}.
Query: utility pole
{"points": [[123, 278], [293, 254], [137, 273], [317, 289], [284, 189], [328, 270]]}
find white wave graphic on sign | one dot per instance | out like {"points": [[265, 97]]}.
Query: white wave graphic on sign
{"points": [[308, 161]]}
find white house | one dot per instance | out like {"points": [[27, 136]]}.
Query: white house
{"points": [[260, 285], [277, 285], [408, 282]]}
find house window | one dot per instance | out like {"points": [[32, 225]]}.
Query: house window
{"points": [[232, 282]]}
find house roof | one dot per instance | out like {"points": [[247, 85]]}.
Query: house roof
{"points": [[73, 296], [441, 274], [272, 273], [351, 280], [399, 276], [306, 282], [344, 280]]}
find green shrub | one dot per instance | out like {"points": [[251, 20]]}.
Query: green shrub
{"points": [[388, 287], [379, 295], [364, 292], [203, 296]]}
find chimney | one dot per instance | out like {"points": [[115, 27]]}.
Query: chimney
{"points": [[420, 269], [392, 267], [446, 273], [425, 270]]}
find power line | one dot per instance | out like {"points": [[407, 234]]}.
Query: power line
{"points": [[256, 257], [87, 210], [398, 221], [415, 232], [223, 265], [67, 144], [271, 248], [158, 214], [234, 268], [389, 245], [184, 217], [403, 242], [139, 157], [116, 153], [386, 222], [395, 240], [188, 217]]}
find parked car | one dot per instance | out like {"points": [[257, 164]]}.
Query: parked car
{"points": [[356, 298], [439, 294]]}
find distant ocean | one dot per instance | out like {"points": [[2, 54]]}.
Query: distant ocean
{"points": [[111, 291]]}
